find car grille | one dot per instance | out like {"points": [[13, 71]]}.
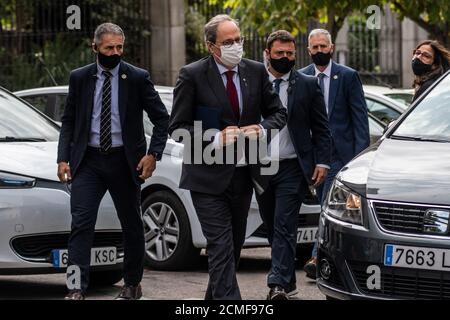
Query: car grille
{"points": [[304, 220], [400, 283], [39, 247], [402, 217]]}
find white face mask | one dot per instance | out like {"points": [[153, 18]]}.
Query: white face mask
{"points": [[230, 57]]}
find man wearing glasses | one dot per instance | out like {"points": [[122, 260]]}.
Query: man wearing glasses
{"points": [[231, 95]]}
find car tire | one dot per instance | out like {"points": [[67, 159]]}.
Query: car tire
{"points": [[105, 278], [169, 246]]}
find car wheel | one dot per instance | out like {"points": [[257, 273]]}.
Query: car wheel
{"points": [[168, 239], [105, 278]]}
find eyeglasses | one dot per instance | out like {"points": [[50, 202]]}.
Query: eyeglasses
{"points": [[422, 53], [229, 43]]}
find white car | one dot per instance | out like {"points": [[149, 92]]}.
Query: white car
{"points": [[35, 208], [173, 233]]}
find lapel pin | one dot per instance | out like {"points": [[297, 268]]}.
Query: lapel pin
{"points": [[124, 76], [335, 77]]}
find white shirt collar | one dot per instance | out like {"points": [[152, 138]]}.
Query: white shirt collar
{"points": [[223, 69], [327, 70], [284, 77], [114, 71]]}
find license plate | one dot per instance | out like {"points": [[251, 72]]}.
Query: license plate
{"points": [[99, 257], [417, 257], [306, 235]]}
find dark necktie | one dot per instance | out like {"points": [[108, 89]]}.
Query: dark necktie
{"points": [[105, 117], [232, 94], [322, 82], [276, 85]]}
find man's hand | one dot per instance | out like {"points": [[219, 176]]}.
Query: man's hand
{"points": [[229, 135], [319, 175], [253, 131], [148, 165], [64, 174]]}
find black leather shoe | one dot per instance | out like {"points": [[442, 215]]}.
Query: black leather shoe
{"points": [[277, 293], [311, 268], [74, 295], [291, 289], [130, 293]]}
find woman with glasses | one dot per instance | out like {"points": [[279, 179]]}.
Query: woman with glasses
{"points": [[430, 60]]}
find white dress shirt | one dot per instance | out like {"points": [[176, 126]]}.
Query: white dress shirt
{"points": [[326, 82]]}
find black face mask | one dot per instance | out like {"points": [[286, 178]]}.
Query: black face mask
{"points": [[283, 65], [419, 68], [321, 58], [109, 62]]}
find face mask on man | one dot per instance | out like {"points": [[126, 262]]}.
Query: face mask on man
{"points": [[283, 65], [321, 58], [419, 68], [109, 62], [231, 56]]}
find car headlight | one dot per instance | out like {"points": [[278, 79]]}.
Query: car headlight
{"points": [[13, 181], [344, 204]]}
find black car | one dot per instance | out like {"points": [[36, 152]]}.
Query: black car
{"points": [[384, 231]]}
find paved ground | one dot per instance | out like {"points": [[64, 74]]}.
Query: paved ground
{"points": [[164, 285]]}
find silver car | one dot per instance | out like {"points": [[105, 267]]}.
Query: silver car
{"points": [[173, 233]]}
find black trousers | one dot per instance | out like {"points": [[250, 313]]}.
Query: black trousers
{"points": [[223, 219], [279, 207], [97, 174]]}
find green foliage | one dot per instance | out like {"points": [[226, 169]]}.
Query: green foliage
{"points": [[194, 22]]}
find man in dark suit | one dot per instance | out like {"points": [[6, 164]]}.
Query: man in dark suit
{"points": [[102, 147], [231, 95], [303, 150], [346, 108]]}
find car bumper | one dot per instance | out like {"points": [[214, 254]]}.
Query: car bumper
{"points": [[34, 221], [351, 252]]}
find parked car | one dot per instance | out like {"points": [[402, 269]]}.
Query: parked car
{"points": [[35, 208], [173, 233], [384, 230], [381, 106], [403, 96]]}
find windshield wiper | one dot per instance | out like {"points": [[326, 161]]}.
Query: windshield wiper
{"points": [[21, 139], [409, 138]]}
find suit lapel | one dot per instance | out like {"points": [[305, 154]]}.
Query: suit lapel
{"points": [[216, 83], [293, 78], [90, 92], [334, 86], [244, 81], [123, 91]]}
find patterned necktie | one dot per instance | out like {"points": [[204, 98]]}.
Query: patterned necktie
{"points": [[232, 94], [276, 85], [105, 117]]}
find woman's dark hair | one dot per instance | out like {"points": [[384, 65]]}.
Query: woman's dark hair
{"points": [[441, 62]]}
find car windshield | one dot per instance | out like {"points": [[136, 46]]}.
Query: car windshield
{"points": [[404, 98], [20, 122], [430, 119]]}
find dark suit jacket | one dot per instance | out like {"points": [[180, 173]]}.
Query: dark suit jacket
{"points": [[201, 95], [347, 113], [308, 123], [136, 94]]}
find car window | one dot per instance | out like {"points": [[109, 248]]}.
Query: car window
{"points": [[375, 129], [20, 121], [430, 119], [59, 105], [39, 102], [405, 98], [167, 99], [381, 111]]}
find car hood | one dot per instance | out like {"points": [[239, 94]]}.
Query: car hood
{"points": [[35, 159], [403, 171]]}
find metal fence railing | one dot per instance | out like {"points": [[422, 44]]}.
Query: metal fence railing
{"points": [[36, 45]]}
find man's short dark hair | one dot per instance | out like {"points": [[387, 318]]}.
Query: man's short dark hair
{"points": [[280, 35]]}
